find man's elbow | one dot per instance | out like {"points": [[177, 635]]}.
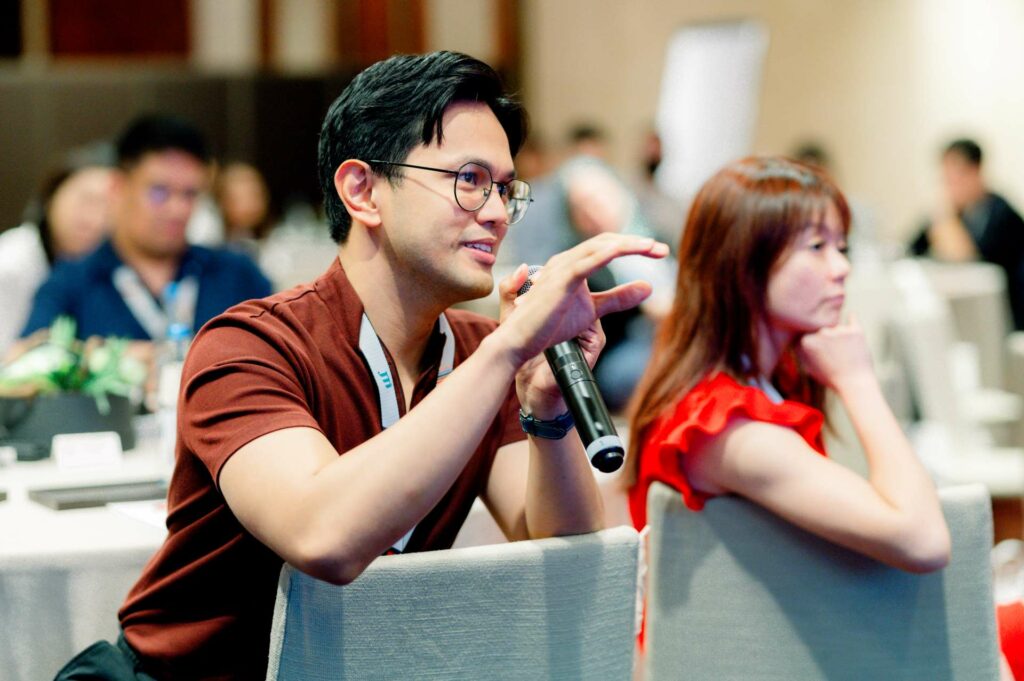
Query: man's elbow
{"points": [[337, 572], [328, 563]]}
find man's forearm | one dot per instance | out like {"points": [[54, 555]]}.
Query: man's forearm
{"points": [[562, 497], [333, 514]]}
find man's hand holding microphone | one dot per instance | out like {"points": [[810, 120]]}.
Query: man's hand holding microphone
{"points": [[551, 309]]}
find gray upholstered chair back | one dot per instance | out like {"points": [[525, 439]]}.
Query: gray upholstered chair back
{"points": [[737, 593], [560, 608]]}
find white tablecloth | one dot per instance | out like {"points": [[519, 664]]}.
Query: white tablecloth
{"points": [[64, 574]]}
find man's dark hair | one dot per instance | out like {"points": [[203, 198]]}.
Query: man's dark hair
{"points": [[157, 133], [398, 103], [967, 149]]}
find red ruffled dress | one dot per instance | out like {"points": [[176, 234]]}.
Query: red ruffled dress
{"points": [[706, 410]]}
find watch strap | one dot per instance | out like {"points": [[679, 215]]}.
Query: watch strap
{"points": [[555, 429]]}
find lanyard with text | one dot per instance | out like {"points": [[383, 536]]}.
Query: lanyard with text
{"points": [[373, 351], [179, 302]]}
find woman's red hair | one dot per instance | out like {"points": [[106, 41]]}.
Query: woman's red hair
{"points": [[741, 223]]}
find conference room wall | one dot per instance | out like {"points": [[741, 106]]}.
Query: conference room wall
{"points": [[882, 84]]}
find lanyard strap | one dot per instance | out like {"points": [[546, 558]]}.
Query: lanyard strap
{"points": [[179, 302], [373, 351]]}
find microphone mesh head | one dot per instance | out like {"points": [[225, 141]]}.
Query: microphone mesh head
{"points": [[528, 284]]}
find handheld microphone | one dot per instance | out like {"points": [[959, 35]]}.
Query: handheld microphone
{"points": [[579, 389]]}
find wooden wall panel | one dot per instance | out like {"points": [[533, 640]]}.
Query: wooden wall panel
{"points": [[98, 28], [367, 31]]}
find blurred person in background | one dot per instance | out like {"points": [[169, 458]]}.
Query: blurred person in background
{"points": [[974, 223], [146, 276], [731, 402], [581, 198], [665, 213], [244, 202], [588, 139], [67, 221], [813, 153], [534, 159]]}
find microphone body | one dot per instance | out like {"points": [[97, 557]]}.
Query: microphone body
{"points": [[579, 389]]}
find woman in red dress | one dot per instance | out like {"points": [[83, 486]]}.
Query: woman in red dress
{"points": [[731, 401]]}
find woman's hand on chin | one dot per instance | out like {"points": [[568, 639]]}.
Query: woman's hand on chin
{"points": [[837, 356]]}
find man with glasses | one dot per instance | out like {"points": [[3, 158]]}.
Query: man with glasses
{"points": [[359, 415], [147, 276]]}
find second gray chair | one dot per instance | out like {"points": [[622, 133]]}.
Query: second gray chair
{"points": [[738, 593], [560, 608]]}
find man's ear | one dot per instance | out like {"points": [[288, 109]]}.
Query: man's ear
{"points": [[354, 182]]}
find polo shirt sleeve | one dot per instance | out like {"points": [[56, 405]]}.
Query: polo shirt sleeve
{"points": [[238, 384], [53, 299]]}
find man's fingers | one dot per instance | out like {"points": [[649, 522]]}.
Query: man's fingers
{"points": [[620, 244], [621, 297], [609, 247], [508, 289], [510, 285]]}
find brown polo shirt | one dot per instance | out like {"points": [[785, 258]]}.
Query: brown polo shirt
{"points": [[203, 605]]}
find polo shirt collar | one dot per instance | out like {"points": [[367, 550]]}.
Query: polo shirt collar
{"points": [[345, 307], [341, 299]]}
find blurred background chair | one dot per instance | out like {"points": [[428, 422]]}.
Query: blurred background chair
{"points": [[1015, 374], [738, 593], [561, 608], [977, 297], [965, 428], [953, 324]]}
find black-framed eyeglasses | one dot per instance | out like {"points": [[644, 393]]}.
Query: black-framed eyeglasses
{"points": [[473, 183]]}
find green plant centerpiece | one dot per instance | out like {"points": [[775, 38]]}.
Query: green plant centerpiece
{"points": [[65, 385]]}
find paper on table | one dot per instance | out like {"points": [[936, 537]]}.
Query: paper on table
{"points": [[150, 511]]}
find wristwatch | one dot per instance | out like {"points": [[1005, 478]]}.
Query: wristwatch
{"points": [[555, 429]]}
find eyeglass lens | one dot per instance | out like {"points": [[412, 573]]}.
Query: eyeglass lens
{"points": [[473, 183]]}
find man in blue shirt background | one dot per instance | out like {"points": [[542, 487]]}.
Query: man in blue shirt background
{"points": [[147, 277]]}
